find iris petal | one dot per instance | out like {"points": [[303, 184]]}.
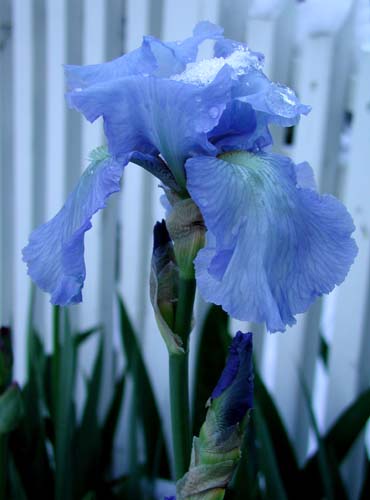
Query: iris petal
{"points": [[139, 61], [186, 51], [225, 47], [55, 252], [276, 246], [153, 57], [278, 102], [241, 128], [152, 116]]}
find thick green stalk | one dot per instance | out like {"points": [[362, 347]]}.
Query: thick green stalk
{"points": [[184, 311], [179, 380], [56, 359]]}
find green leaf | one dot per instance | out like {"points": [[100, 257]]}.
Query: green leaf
{"points": [[365, 490], [64, 413], [17, 491], [340, 437], [287, 463], [80, 337], [329, 473], [11, 409], [348, 426], [324, 351], [6, 358], [212, 352], [245, 483], [87, 439], [111, 421], [28, 442], [146, 406], [268, 459]]}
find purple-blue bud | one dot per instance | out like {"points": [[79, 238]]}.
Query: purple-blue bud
{"points": [[234, 390]]}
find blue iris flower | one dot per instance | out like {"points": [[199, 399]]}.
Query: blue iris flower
{"points": [[202, 127]]}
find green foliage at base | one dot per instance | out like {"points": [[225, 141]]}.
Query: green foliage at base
{"points": [[269, 468], [47, 450], [57, 451]]}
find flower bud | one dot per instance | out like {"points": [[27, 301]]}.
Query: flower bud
{"points": [[216, 452], [187, 230], [164, 278]]}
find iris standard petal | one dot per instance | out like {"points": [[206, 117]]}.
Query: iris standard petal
{"points": [[278, 102], [276, 247], [139, 61], [151, 115], [187, 50], [172, 57], [153, 57], [224, 47], [55, 252]]}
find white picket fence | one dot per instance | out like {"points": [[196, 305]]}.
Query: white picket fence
{"points": [[319, 48]]}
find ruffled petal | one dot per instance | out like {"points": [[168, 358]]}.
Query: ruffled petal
{"points": [[151, 115], [187, 50], [154, 57], [224, 47], [55, 252], [183, 52], [276, 246], [137, 62], [278, 102]]}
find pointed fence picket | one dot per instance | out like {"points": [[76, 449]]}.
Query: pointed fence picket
{"points": [[44, 147]]}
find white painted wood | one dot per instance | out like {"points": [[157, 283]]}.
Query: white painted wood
{"points": [[179, 18], [270, 29], [272, 33], [297, 350], [41, 313], [134, 207], [55, 149], [92, 137], [113, 47], [22, 157], [6, 163], [233, 18], [349, 353]]}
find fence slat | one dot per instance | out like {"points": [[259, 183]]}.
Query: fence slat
{"points": [[22, 154], [350, 348], [6, 163]]}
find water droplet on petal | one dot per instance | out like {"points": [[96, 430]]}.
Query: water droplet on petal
{"points": [[213, 112], [282, 101]]}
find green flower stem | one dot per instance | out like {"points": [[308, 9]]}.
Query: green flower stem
{"points": [[179, 380], [179, 396], [184, 311], [56, 359], [3, 465]]}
